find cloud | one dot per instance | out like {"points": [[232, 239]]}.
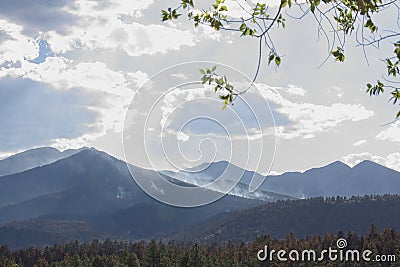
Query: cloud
{"points": [[182, 136], [337, 91], [295, 90], [243, 8], [308, 119], [4, 36], [134, 39], [104, 26], [206, 32], [390, 134], [108, 93], [62, 74], [360, 142], [74, 143], [391, 160], [37, 16], [15, 46], [32, 114]]}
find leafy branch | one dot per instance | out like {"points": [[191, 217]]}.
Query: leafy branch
{"points": [[221, 85], [336, 20]]}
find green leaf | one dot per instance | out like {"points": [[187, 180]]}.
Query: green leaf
{"points": [[370, 25], [202, 71], [270, 58], [278, 61], [338, 54]]}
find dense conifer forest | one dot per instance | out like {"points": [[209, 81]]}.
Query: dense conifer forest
{"points": [[239, 250], [157, 253]]}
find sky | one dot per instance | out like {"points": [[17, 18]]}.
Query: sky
{"points": [[109, 74]]}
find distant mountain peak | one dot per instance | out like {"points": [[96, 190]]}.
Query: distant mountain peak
{"points": [[339, 163], [336, 166], [33, 158], [35, 150], [366, 164], [207, 165]]}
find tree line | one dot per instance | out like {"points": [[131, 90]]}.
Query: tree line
{"points": [[157, 253]]}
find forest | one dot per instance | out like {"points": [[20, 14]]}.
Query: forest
{"points": [[156, 253]]}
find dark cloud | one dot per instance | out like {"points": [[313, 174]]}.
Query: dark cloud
{"points": [[38, 15], [33, 114]]}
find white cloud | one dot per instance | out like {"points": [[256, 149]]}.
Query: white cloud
{"points": [[360, 142], [181, 136], [18, 47], [95, 77], [104, 27], [391, 134], [295, 90], [135, 39], [62, 74], [138, 78], [9, 154], [110, 92], [63, 143], [243, 8], [337, 91], [175, 99], [307, 119], [206, 32], [110, 8], [391, 161]]}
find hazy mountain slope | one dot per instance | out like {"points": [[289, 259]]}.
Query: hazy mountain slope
{"points": [[227, 175], [208, 172], [335, 179], [98, 190], [148, 219], [89, 168], [302, 217], [32, 158]]}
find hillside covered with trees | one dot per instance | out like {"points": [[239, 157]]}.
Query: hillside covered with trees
{"points": [[304, 217], [118, 254]]}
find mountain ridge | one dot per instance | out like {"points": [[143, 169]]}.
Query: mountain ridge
{"points": [[33, 158]]}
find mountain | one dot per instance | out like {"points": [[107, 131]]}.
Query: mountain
{"points": [[86, 174], [304, 218], [208, 172], [335, 179], [90, 194], [32, 158], [96, 190], [223, 176]]}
